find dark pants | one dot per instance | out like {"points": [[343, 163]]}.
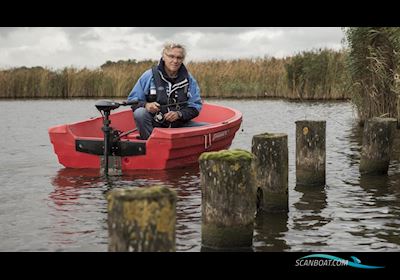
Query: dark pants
{"points": [[145, 123]]}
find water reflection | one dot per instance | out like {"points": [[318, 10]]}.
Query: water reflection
{"points": [[376, 218], [269, 232], [354, 137], [311, 204], [71, 183], [80, 192], [309, 216], [77, 210], [375, 185], [242, 249], [382, 217]]}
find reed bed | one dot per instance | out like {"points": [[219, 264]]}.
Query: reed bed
{"points": [[373, 64], [318, 74]]}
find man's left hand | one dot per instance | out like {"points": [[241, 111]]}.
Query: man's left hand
{"points": [[171, 116]]}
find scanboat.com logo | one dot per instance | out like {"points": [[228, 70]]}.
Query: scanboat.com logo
{"points": [[329, 260]]}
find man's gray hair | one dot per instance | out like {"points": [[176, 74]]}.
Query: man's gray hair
{"points": [[173, 45]]}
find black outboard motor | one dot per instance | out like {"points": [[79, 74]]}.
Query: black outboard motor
{"points": [[111, 145], [105, 107]]}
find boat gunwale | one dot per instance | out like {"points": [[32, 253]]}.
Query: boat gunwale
{"points": [[167, 133]]}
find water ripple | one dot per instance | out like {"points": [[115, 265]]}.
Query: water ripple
{"points": [[44, 207]]}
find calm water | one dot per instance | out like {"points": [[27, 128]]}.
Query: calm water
{"points": [[45, 207]]}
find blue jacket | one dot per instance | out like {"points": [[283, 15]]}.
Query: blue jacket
{"points": [[146, 86]]}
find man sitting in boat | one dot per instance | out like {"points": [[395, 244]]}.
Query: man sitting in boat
{"points": [[168, 94]]}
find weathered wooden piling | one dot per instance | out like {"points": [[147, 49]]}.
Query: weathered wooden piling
{"points": [[271, 171], [378, 136], [398, 110], [310, 152], [142, 219], [228, 199]]}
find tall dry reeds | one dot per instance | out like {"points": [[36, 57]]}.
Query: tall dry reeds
{"points": [[242, 78], [317, 74], [373, 64], [309, 75]]}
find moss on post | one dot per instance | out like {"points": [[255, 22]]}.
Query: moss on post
{"points": [[310, 153], [228, 199], [142, 219], [377, 145], [271, 170]]}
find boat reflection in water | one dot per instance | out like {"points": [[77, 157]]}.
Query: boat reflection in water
{"points": [[79, 192], [70, 184]]}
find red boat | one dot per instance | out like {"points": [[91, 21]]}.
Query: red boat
{"points": [[80, 145]]}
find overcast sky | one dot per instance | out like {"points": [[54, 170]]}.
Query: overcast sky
{"points": [[58, 47]]}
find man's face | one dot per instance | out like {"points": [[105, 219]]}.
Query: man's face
{"points": [[173, 59]]}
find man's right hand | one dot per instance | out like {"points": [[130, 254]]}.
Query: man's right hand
{"points": [[152, 107]]}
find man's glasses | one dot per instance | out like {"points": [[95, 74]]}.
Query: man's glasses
{"points": [[172, 57]]}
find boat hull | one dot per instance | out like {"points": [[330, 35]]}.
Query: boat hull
{"points": [[166, 147]]}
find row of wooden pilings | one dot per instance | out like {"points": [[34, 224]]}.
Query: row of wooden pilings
{"points": [[234, 185]]}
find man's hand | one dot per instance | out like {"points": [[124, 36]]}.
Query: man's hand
{"points": [[171, 116], [152, 107]]}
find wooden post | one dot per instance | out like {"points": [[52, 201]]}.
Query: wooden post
{"points": [[271, 171], [142, 219], [398, 111], [377, 144], [228, 199], [310, 153]]}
